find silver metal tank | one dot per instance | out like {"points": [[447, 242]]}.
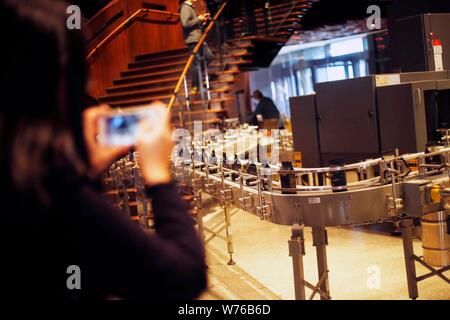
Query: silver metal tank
{"points": [[435, 236]]}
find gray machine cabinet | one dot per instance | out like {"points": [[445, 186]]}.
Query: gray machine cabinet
{"points": [[304, 129], [355, 119], [402, 117], [443, 100], [415, 49], [347, 119]]}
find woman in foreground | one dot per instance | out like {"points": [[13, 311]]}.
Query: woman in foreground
{"points": [[53, 216]]}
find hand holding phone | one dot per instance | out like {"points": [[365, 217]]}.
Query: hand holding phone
{"points": [[154, 145], [100, 157], [147, 128]]}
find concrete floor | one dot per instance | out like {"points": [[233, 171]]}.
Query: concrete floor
{"points": [[263, 268]]}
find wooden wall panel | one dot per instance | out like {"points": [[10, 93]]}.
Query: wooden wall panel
{"points": [[154, 32], [104, 21]]}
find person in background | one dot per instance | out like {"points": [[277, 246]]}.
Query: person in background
{"points": [[192, 32], [56, 219], [265, 108]]}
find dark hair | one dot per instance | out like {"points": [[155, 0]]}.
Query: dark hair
{"points": [[43, 83], [257, 94]]}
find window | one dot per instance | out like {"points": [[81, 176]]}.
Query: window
{"points": [[298, 67], [336, 73], [351, 46], [321, 74]]}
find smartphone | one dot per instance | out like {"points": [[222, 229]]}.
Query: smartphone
{"points": [[120, 127]]}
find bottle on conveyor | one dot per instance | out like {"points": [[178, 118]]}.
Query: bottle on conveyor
{"points": [[266, 173], [225, 160], [287, 180], [236, 166], [212, 162], [338, 178], [251, 170], [198, 157]]}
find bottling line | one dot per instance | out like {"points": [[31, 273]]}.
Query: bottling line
{"points": [[394, 188]]}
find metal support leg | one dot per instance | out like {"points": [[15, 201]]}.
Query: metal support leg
{"points": [[188, 100], [408, 249], [200, 77], [320, 241], [229, 235], [207, 83], [297, 251], [199, 216]]}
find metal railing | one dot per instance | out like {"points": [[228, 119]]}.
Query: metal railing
{"points": [[294, 2], [270, 18]]}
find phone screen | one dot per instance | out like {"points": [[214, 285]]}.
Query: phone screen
{"points": [[121, 129]]}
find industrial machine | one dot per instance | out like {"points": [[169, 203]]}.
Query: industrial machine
{"points": [[385, 112], [392, 188], [232, 169], [418, 37]]}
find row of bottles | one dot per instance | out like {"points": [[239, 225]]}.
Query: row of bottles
{"points": [[287, 180]]}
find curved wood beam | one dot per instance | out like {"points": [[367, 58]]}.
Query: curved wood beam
{"points": [[141, 13]]}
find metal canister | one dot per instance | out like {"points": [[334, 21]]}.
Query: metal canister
{"points": [[435, 239], [445, 199]]}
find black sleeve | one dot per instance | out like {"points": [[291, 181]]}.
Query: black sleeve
{"points": [[120, 259], [259, 108]]}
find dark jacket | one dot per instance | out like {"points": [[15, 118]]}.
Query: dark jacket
{"points": [[116, 257], [191, 24], [267, 109]]}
